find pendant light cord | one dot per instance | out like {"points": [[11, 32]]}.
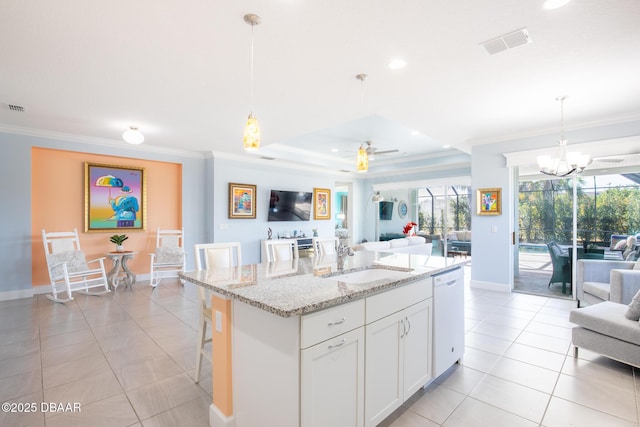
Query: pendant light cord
{"points": [[251, 101]]}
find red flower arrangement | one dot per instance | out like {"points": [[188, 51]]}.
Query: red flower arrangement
{"points": [[408, 229]]}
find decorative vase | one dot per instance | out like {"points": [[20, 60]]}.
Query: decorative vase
{"points": [[119, 248]]}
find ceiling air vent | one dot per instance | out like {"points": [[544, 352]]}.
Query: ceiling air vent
{"points": [[507, 41], [267, 158], [17, 108]]}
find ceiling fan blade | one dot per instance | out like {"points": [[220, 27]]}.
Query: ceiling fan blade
{"points": [[386, 152]]}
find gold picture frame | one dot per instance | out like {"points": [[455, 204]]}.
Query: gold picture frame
{"points": [[489, 201], [242, 201], [115, 198], [321, 203]]}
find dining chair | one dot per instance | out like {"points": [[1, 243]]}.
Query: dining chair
{"points": [[68, 268], [281, 249], [169, 257], [325, 245], [209, 256]]}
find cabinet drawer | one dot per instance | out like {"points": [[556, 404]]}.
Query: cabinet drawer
{"points": [[325, 324], [389, 302]]}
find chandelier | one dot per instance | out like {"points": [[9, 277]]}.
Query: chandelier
{"points": [[251, 138], [564, 162]]}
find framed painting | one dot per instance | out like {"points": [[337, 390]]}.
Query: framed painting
{"points": [[115, 197], [242, 201], [489, 201], [321, 203]]}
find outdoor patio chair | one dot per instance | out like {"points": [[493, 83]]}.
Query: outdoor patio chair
{"points": [[561, 266]]}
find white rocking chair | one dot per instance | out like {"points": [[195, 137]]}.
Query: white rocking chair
{"points": [[68, 269], [169, 258]]}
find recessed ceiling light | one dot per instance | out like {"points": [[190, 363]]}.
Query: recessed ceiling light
{"points": [[397, 64], [415, 133], [334, 150], [446, 146], [554, 4]]}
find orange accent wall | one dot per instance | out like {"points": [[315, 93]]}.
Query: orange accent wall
{"points": [[57, 204], [221, 357]]}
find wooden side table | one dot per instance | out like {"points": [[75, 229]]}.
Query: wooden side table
{"points": [[120, 272]]}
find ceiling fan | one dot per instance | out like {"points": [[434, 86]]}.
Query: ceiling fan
{"points": [[372, 150]]}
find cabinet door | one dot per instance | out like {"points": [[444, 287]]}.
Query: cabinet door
{"points": [[383, 385], [333, 382], [417, 348]]}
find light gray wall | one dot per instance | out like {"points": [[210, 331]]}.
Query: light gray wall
{"points": [[267, 177], [493, 258], [15, 175]]}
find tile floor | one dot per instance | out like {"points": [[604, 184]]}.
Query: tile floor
{"points": [[129, 357]]}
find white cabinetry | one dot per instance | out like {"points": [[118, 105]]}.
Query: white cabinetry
{"points": [[332, 367], [397, 347]]}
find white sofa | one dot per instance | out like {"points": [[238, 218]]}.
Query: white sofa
{"points": [[606, 280], [408, 245]]}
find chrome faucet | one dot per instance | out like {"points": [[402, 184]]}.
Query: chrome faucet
{"points": [[343, 251]]}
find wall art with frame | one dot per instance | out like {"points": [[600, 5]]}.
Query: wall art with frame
{"points": [[489, 201], [115, 197], [321, 203], [242, 201]]}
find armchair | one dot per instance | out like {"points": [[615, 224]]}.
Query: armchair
{"points": [[604, 280]]}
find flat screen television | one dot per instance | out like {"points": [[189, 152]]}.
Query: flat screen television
{"points": [[289, 205], [386, 210]]}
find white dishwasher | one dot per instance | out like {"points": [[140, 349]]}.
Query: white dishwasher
{"points": [[448, 319]]}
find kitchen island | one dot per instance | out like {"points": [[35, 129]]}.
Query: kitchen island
{"points": [[290, 338]]}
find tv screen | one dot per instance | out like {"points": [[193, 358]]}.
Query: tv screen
{"points": [[289, 205], [386, 210]]}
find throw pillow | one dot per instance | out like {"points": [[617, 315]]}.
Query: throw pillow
{"points": [[633, 312], [621, 245]]}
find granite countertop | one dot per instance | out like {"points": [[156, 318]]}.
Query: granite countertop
{"points": [[305, 285]]}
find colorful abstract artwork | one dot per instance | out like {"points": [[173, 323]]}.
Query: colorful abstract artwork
{"points": [[489, 201], [322, 203], [114, 197], [242, 201]]}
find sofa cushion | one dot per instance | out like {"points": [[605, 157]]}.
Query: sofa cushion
{"points": [[636, 266], [598, 289], [416, 240], [607, 318], [633, 310], [376, 246], [399, 243]]}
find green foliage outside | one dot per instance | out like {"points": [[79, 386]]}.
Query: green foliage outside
{"points": [[546, 212]]}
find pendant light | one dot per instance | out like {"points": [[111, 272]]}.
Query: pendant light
{"points": [[251, 138], [564, 162], [362, 161]]}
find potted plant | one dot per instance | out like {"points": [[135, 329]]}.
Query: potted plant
{"points": [[118, 239]]}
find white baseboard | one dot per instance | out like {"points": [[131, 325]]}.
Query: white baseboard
{"points": [[490, 286], [18, 294], [218, 419]]}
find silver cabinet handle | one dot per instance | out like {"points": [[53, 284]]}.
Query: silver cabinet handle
{"points": [[337, 345], [337, 322], [404, 329], [409, 323]]}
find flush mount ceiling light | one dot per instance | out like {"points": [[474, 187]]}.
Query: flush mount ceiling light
{"points": [[554, 4], [397, 64], [564, 162], [251, 138], [133, 136]]}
